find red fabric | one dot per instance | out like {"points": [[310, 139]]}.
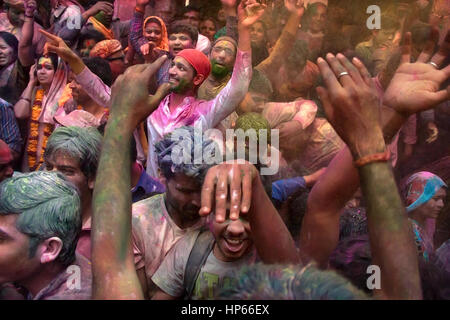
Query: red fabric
{"points": [[198, 60], [5, 153]]}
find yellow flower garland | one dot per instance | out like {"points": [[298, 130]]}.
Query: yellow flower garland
{"points": [[33, 137]]}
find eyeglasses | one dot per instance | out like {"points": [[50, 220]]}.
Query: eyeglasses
{"points": [[228, 51]]}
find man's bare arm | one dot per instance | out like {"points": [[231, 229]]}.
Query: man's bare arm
{"points": [[320, 230], [352, 107], [114, 274]]}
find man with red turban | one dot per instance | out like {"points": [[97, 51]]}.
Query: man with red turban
{"points": [[189, 69]]}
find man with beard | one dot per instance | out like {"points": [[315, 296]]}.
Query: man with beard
{"points": [[222, 58], [160, 221], [188, 70]]}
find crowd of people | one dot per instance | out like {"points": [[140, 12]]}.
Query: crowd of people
{"points": [[115, 135]]}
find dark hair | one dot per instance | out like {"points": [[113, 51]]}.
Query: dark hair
{"points": [[181, 27], [53, 57], [100, 67], [155, 21], [191, 8], [90, 34], [11, 41], [310, 10]]}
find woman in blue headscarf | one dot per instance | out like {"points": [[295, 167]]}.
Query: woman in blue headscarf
{"points": [[425, 194]]}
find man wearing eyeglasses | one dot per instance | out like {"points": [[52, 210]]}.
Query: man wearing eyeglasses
{"points": [[222, 58]]}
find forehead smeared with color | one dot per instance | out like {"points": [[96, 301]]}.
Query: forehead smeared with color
{"points": [[225, 44], [44, 60]]}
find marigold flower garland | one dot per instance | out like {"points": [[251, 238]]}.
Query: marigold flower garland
{"points": [[33, 137]]}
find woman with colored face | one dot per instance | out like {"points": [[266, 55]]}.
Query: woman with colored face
{"points": [[148, 37], [38, 104], [425, 196], [45, 70]]}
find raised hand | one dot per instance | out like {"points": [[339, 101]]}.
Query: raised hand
{"points": [[295, 6], [415, 86], [249, 11], [57, 45], [238, 178], [130, 101], [351, 104]]}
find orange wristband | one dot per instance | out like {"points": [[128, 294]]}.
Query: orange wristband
{"points": [[377, 157], [139, 10]]}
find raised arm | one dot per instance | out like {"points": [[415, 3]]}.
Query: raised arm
{"points": [[91, 83], [114, 273], [233, 93], [270, 235], [352, 107], [404, 96], [284, 44], [26, 53], [136, 30]]}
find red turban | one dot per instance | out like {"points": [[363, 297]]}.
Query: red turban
{"points": [[198, 61], [5, 153]]}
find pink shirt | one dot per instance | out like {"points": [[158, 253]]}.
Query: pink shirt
{"points": [[192, 111]]}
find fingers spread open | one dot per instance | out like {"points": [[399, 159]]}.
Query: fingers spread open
{"points": [[338, 69], [354, 73], [364, 73], [406, 48]]}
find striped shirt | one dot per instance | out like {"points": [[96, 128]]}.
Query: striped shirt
{"points": [[9, 129]]}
